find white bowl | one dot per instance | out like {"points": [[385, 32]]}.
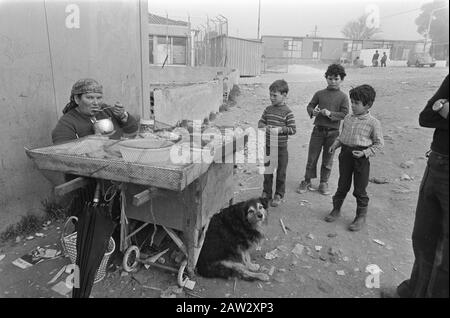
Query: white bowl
{"points": [[145, 151]]}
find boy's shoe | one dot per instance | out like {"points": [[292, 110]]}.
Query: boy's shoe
{"points": [[360, 219], [323, 188], [333, 216], [276, 200], [358, 223], [304, 186]]}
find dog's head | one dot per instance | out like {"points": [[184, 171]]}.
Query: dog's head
{"points": [[256, 211]]}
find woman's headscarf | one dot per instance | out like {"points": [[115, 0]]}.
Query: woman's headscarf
{"points": [[82, 86]]}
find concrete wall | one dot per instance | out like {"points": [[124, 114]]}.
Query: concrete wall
{"points": [[28, 106], [192, 102], [402, 63], [107, 46], [44, 49], [183, 74]]}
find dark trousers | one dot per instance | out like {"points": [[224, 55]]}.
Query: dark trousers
{"points": [[321, 140], [281, 166], [359, 169], [429, 276]]}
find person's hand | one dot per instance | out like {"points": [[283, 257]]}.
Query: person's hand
{"points": [[274, 129], [441, 107], [118, 110], [316, 111], [325, 112], [358, 153]]}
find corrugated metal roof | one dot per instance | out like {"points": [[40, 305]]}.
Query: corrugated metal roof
{"points": [[156, 19]]}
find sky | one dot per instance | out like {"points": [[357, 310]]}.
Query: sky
{"points": [[296, 17]]}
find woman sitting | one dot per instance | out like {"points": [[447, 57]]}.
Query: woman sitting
{"points": [[84, 108]]}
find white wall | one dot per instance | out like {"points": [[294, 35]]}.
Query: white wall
{"points": [[192, 102]]}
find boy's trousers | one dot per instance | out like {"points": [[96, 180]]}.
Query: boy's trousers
{"points": [[429, 276], [281, 166], [321, 140], [359, 169]]}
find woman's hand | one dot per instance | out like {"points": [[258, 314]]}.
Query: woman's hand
{"points": [[119, 112]]}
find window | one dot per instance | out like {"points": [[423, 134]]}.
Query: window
{"points": [[150, 41], [179, 45], [168, 50], [347, 47], [357, 46], [316, 49], [292, 48]]}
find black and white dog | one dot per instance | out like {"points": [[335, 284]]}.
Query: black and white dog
{"points": [[231, 234]]}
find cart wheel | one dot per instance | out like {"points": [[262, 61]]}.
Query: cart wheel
{"points": [[181, 280], [130, 258]]}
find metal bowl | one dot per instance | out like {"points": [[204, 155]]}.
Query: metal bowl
{"points": [[104, 126]]}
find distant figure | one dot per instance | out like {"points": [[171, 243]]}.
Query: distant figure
{"points": [[383, 60], [356, 61], [375, 59]]}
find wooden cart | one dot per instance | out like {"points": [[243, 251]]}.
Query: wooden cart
{"points": [[177, 197]]}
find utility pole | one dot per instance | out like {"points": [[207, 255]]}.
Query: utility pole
{"points": [[315, 31], [259, 18]]}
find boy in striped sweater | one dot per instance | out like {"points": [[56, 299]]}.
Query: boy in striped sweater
{"points": [[279, 122]]}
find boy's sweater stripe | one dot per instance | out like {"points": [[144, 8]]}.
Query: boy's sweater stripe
{"points": [[279, 116]]}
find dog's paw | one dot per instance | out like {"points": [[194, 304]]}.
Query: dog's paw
{"points": [[262, 276], [253, 267]]}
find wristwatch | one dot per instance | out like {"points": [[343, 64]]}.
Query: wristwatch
{"points": [[438, 107]]}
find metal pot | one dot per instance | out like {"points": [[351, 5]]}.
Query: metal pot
{"points": [[103, 126]]}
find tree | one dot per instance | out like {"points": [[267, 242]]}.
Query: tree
{"points": [[358, 29], [439, 21]]}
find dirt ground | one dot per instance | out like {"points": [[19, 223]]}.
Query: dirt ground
{"points": [[338, 269]]}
